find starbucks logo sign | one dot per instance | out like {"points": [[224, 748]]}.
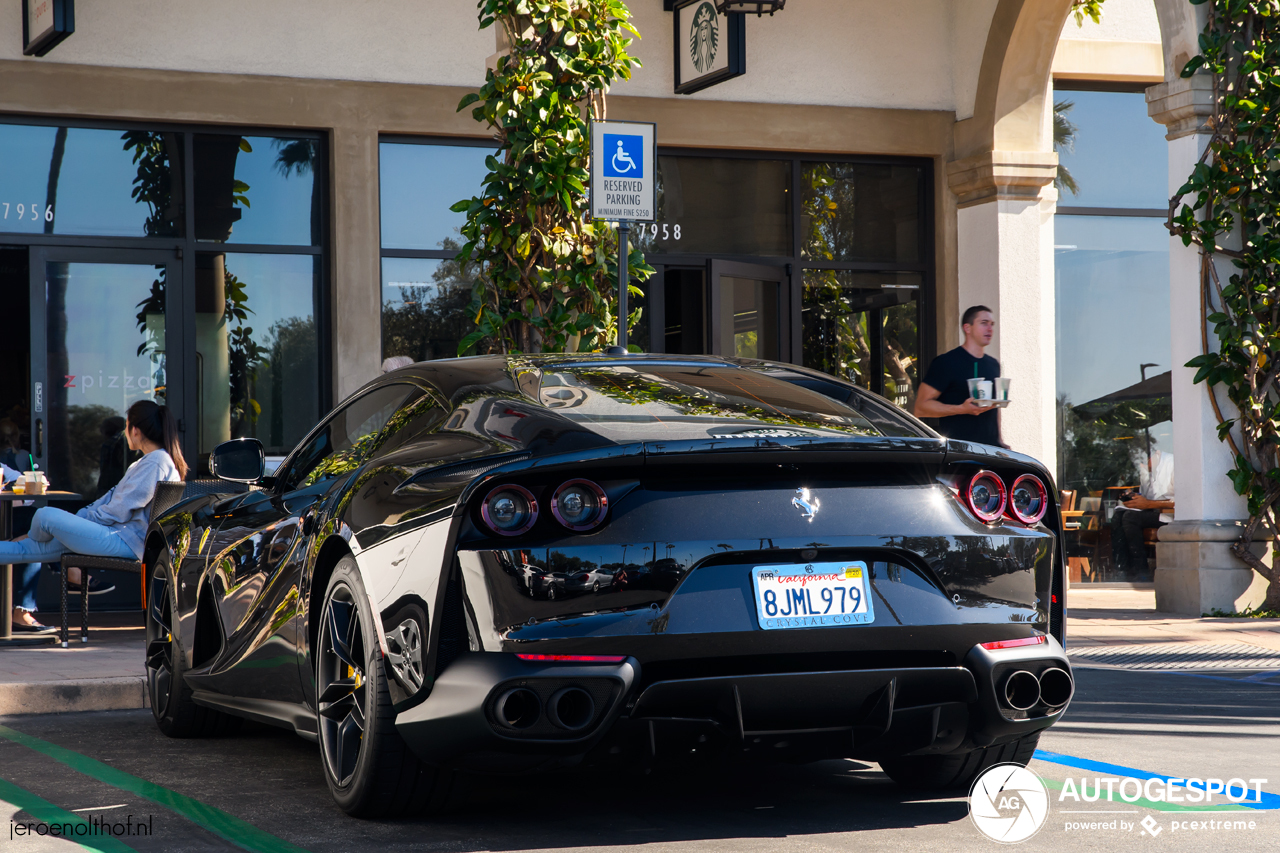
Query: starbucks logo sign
{"points": [[704, 37]]}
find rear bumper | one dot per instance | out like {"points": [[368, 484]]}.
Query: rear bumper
{"points": [[868, 714]]}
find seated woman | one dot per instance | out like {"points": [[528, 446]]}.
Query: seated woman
{"points": [[112, 526]]}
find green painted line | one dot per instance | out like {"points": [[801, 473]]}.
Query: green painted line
{"points": [[1143, 802], [233, 829], [47, 813]]}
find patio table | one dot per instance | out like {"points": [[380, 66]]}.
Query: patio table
{"points": [[7, 498]]}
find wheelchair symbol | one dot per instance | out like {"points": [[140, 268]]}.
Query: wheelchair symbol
{"points": [[624, 157]]}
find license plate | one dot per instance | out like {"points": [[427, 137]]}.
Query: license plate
{"points": [[812, 595]]}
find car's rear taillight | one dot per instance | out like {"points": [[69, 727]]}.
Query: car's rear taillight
{"points": [[985, 496], [1013, 644], [574, 658], [1028, 499], [509, 510], [579, 505]]}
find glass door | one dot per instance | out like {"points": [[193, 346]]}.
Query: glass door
{"points": [[746, 310], [102, 338], [864, 327]]}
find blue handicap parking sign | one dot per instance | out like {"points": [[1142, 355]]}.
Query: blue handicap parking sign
{"points": [[623, 156]]}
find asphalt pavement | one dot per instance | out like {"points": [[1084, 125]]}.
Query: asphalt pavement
{"points": [[262, 789]]}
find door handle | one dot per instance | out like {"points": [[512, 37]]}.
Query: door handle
{"points": [[40, 437]]}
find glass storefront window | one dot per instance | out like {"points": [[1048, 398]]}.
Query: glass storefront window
{"points": [[90, 182], [424, 307], [1119, 157], [419, 183], [257, 189], [860, 212], [257, 348], [106, 342], [864, 327], [721, 206], [1112, 281]]}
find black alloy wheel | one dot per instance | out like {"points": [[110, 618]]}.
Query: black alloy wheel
{"points": [[370, 770], [171, 704], [160, 642], [342, 684]]}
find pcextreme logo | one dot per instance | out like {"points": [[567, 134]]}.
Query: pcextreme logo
{"points": [[1009, 803]]}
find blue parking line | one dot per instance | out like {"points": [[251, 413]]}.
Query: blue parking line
{"points": [[1262, 676], [1265, 801], [1252, 679]]}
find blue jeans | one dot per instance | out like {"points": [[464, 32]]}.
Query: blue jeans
{"points": [[55, 532], [25, 581]]}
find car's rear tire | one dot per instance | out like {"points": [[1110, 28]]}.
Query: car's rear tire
{"points": [[370, 770], [171, 704], [957, 771]]}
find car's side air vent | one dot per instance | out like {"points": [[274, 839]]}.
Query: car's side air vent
{"points": [[453, 625]]}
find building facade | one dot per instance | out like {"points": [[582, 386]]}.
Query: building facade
{"points": [[242, 209]]}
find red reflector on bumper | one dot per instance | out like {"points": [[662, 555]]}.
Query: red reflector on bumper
{"points": [[1009, 644], [576, 658]]}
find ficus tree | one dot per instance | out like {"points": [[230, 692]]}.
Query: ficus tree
{"points": [[1230, 209], [548, 273]]}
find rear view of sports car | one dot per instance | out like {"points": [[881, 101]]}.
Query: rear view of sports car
{"points": [[520, 564]]}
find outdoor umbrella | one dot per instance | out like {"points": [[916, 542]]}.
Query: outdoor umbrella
{"points": [[1140, 405]]}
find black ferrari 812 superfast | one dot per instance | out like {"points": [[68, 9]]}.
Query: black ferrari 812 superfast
{"points": [[518, 564]]}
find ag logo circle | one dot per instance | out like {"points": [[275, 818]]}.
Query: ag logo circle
{"points": [[1008, 803]]}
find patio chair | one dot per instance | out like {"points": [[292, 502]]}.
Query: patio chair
{"points": [[167, 496]]}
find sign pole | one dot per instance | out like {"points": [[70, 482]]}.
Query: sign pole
{"points": [[624, 252], [623, 190]]}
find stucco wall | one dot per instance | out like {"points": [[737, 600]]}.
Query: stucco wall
{"points": [[971, 21], [398, 41], [836, 52], [1122, 20], [1124, 47]]}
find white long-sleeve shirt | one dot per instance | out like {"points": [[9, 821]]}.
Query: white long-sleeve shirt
{"points": [[126, 507]]}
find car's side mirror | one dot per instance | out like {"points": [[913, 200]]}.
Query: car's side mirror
{"points": [[241, 460]]}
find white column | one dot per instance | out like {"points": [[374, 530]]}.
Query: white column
{"points": [[1195, 570], [1005, 261], [1202, 461]]}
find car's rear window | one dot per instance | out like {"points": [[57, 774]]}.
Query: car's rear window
{"points": [[644, 401]]}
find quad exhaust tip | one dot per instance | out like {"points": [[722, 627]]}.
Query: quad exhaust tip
{"points": [[519, 708], [571, 708], [1055, 687], [1022, 690]]}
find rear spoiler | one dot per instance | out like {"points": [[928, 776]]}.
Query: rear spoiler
{"points": [[733, 450]]}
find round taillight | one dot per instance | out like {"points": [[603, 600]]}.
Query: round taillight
{"points": [[509, 510], [1028, 499], [579, 504], [985, 496]]}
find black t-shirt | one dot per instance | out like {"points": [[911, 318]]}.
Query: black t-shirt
{"points": [[949, 374]]}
